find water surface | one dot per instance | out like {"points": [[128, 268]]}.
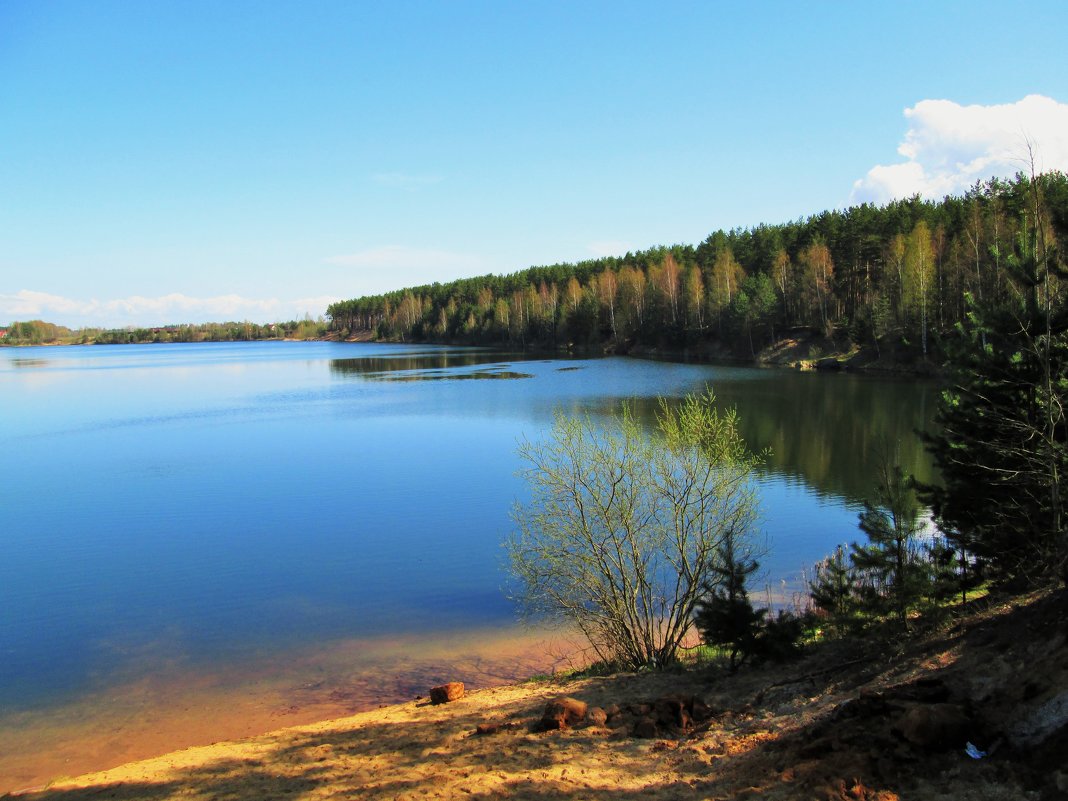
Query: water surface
{"points": [[184, 507]]}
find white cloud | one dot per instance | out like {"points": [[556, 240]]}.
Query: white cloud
{"points": [[138, 310], [948, 147]]}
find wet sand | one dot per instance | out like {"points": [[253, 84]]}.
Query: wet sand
{"points": [[175, 708], [837, 725], [417, 750]]}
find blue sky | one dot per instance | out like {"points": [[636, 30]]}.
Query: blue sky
{"points": [[179, 162]]}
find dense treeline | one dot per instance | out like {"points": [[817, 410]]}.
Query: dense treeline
{"points": [[894, 274], [36, 332], [1000, 446], [210, 332]]}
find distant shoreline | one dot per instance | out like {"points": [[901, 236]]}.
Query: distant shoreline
{"points": [[811, 353]]}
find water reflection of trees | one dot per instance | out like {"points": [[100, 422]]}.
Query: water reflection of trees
{"points": [[828, 431], [833, 431], [421, 361], [23, 363]]}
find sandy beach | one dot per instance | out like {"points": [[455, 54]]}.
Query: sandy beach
{"points": [[170, 708], [883, 722], [419, 750]]}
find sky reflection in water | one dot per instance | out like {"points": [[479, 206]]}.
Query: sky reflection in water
{"points": [[191, 504]]}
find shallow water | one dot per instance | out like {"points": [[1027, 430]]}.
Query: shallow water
{"points": [[179, 510]]}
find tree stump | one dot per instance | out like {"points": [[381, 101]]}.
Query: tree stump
{"points": [[452, 691]]}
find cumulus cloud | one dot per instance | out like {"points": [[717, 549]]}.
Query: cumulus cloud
{"points": [[948, 147], [165, 309]]}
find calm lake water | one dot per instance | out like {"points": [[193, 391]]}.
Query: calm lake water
{"points": [[194, 505]]}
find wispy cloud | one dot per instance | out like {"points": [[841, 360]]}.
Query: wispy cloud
{"points": [[402, 180], [948, 147], [139, 310]]}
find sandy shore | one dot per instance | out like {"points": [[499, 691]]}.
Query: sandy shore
{"points": [[418, 750], [170, 708], [871, 721]]}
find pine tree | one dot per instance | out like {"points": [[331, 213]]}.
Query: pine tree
{"points": [[834, 590], [891, 560], [725, 616], [1002, 440]]}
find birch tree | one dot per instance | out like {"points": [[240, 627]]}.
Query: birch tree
{"points": [[607, 288], [818, 269], [918, 275]]}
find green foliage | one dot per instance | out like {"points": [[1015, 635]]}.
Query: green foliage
{"points": [[892, 561], [36, 332], [210, 332], [880, 320], [952, 571], [779, 639], [901, 569], [623, 528], [1002, 439], [903, 269], [725, 616], [835, 590], [755, 308]]}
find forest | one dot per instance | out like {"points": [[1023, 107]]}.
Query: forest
{"points": [[38, 332], [896, 278]]}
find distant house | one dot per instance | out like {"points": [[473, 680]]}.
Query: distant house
{"points": [[3, 333]]}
